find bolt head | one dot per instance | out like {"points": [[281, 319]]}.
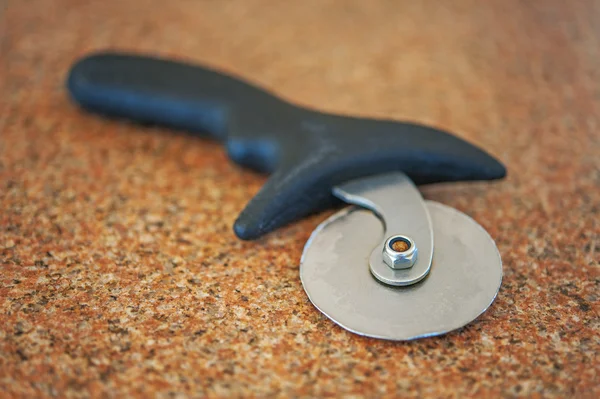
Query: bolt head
{"points": [[398, 260]]}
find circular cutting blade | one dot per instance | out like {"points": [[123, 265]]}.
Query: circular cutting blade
{"points": [[465, 276]]}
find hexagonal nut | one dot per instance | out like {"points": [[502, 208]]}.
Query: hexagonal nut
{"points": [[404, 258]]}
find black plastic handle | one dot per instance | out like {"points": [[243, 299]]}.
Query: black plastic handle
{"points": [[307, 152]]}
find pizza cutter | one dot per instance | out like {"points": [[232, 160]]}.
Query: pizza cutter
{"points": [[391, 265]]}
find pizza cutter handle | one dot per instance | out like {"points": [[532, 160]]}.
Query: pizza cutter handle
{"points": [[159, 91], [306, 152]]}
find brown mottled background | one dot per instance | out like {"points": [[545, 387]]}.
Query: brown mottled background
{"points": [[120, 274]]}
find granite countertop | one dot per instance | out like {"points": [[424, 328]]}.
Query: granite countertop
{"points": [[120, 272]]}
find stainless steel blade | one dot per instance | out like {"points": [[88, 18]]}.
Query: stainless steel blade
{"points": [[465, 276]]}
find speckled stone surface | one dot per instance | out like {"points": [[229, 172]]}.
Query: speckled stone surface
{"points": [[120, 273]]}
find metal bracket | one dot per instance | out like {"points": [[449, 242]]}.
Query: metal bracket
{"points": [[395, 199]]}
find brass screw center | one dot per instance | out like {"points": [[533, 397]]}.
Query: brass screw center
{"points": [[400, 246]]}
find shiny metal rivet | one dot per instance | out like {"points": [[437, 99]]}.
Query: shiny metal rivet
{"points": [[399, 259]]}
